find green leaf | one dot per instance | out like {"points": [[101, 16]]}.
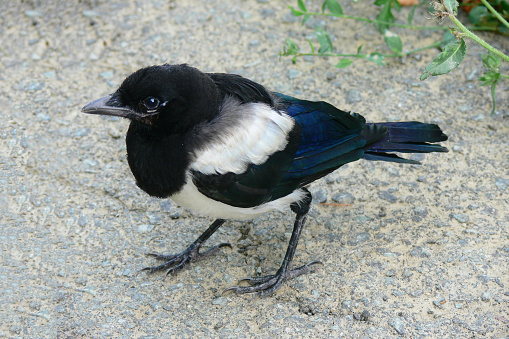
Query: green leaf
{"points": [[393, 41], [448, 38], [493, 88], [491, 61], [478, 14], [451, 6], [385, 15], [301, 5], [452, 55], [295, 12], [334, 7], [397, 5], [312, 47], [291, 47], [305, 18], [324, 40], [381, 2], [343, 63], [376, 57], [491, 78], [359, 49], [411, 15]]}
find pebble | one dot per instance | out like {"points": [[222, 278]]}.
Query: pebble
{"points": [[166, 205], [462, 218], [82, 221], [254, 43], [421, 211], [479, 117], [144, 228], [267, 12], [353, 96], [386, 195], [398, 325], [32, 14], [319, 196], [502, 183], [90, 13], [486, 296], [293, 73], [219, 301], [343, 198], [421, 252]]}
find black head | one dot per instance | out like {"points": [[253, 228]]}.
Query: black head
{"points": [[173, 98]]}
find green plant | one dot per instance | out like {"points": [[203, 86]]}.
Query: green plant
{"points": [[493, 14], [452, 44]]}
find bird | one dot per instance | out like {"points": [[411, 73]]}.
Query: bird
{"points": [[226, 147]]}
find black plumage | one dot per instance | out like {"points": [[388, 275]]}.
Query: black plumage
{"points": [[227, 147]]}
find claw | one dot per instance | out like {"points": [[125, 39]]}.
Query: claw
{"points": [[265, 286], [176, 262]]}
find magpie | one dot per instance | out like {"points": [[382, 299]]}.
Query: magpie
{"points": [[224, 146]]}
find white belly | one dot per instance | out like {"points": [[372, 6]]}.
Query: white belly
{"points": [[190, 198]]}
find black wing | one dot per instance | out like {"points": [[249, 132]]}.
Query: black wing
{"points": [[243, 89]]}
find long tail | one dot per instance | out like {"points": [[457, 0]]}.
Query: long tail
{"points": [[401, 137]]}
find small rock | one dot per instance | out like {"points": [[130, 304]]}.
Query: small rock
{"points": [[353, 96], [484, 278], [293, 73], [398, 325], [421, 211], [457, 148], [319, 196], [390, 273], [267, 12], [364, 315], [175, 287], [219, 301], [90, 14], [421, 252], [254, 43], [486, 296], [479, 117], [343, 198], [166, 205], [144, 228], [386, 195], [32, 14], [82, 221], [502, 183], [462, 218]]}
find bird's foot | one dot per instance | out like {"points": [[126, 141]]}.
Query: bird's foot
{"points": [[267, 285], [176, 262]]}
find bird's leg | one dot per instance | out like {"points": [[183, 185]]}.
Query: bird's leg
{"points": [[175, 262], [267, 285]]}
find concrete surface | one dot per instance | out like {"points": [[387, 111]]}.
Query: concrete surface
{"points": [[421, 252]]}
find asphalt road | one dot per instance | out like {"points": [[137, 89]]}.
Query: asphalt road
{"points": [[421, 251]]}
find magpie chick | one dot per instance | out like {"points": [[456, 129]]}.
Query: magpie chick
{"points": [[226, 147]]}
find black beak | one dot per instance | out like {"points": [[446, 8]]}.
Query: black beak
{"points": [[103, 106]]}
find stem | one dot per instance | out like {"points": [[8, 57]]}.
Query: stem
{"points": [[495, 13], [375, 21], [477, 39], [395, 55]]}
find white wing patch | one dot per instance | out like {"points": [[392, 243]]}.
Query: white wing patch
{"points": [[190, 198], [245, 134]]}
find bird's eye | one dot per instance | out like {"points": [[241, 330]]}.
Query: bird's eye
{"points": [[151, 103]]}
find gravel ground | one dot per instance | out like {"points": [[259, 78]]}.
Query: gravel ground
{"points": [[422, 251]]}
